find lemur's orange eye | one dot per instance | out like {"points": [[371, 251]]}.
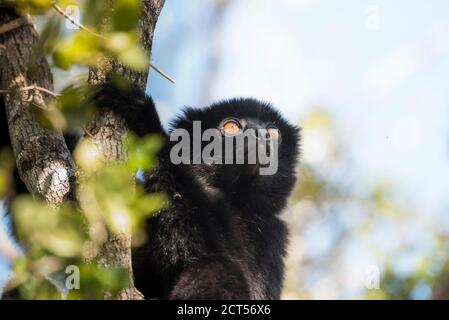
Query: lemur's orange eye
{"points": [[274, 133], [231, 126]]}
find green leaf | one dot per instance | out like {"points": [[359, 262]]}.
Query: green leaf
{"points": [[126, 48], [125, 15], [82, 48], [95, 282]]}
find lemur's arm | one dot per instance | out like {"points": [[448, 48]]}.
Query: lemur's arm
{"points": [[131, 104]]}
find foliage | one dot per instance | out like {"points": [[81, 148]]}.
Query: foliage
{"points": [[73, 234], [360, 221], [108, 199]]}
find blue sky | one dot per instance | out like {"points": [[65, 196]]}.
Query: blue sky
{"points": [[381, 68], [387, 87]]}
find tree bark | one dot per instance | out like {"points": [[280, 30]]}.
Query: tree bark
{"points": [[43, 160], [107, 131]]}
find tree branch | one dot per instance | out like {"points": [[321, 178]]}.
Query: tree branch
{"points": [[82, 27], [107, 131], [43, 160]]}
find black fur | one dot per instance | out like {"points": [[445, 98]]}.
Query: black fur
{"points": [[218, 238]]}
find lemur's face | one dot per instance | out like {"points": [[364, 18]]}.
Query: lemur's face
{"points": [[253, 147], [254, 132]]}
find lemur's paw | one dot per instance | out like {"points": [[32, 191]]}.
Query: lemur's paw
{"points": [[109, 95], [130, 103]]}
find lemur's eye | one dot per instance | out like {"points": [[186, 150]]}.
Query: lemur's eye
{"points": [[274, 133], [231, 126]]}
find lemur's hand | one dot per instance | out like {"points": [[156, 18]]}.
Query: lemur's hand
{"points": [[131, 104]]}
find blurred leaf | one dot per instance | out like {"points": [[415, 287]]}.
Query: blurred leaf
{"points": [[125, 15], [95, 13], [33, 6], [96, 282], [125, 46], [49, 36], [74, 105], [82, 48], [317, 119], [30, 277], [135, 58], [7, 164], [87, 157], [51, 117], [4, 182], [376, 295], [59, 231], [7, 160], [142, 153]]}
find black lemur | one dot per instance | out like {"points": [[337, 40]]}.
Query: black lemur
{"points": [[220, 236]]}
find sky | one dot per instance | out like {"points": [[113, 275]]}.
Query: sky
{"points": [[380, 68]]}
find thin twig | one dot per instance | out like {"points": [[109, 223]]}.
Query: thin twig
{"points": [[82, 27], [76, 23], [162, 73], [34, 87]]}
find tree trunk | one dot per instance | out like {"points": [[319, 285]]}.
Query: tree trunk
{"points": [[107, 131], [43, 160]]}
